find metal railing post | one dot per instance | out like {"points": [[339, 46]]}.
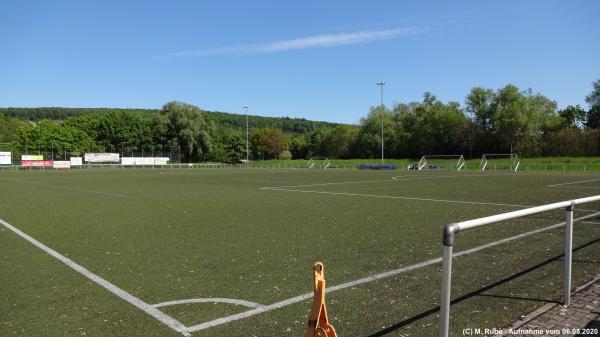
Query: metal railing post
{"points": [[448, 240], [568, 252], [445, 293]]}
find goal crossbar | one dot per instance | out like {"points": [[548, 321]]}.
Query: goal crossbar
{"points": [[459, 165], [513, 157]]}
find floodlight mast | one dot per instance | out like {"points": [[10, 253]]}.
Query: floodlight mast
{"points": [[381, 84], [246, 108]]}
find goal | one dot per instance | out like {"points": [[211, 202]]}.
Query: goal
{"points": [[318, 163], [500, 161], [445, 161]]}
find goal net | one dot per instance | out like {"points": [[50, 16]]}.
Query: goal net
{"points": [[318, 163], [444, 161], [500, 161]]}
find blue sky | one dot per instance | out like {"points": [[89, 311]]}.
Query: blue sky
{"points": [[314, 59]]}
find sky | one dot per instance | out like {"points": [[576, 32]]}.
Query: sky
{"points": [[318, 60]]}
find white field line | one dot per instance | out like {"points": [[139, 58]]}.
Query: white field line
{"points": [[336, 183], [394, 197], [394, 178], [66, 188], [459, 175], [147, 308], [573, 182], [290, 188], [210, 300], [411, 198], [300, 298], [578, 187]]}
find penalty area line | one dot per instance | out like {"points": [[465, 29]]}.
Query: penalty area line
{"points": [[573, 183], [300, 298], [394, 197], [124, 295]]}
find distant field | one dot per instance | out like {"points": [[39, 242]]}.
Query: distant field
{"points": [[235, 241], [565, 164]]}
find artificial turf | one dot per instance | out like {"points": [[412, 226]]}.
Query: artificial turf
{"points": [[170, 234]]}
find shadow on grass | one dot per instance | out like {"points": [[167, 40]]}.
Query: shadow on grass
{"points": [[585, 261], [477, 293], [518, 298]]}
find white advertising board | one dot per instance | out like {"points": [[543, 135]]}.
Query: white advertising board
{"points": [[101, 157], [32, 157], [5, 158], [61, 164], [161, 160], [144, 161], [76, 161], [131, 161], [128, 161]]}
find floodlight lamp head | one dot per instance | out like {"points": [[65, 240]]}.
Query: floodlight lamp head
{"points": [[381, 83]]}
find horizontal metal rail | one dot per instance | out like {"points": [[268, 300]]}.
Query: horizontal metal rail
{"points": [[451, 229]]}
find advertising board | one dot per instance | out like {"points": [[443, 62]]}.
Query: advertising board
{"points": [[128, 161], [161, 160], [101, 157], [148, 161], [5, 158], [36, 163], [76, 161], [32, 157], [144, 161], [61, 164]]}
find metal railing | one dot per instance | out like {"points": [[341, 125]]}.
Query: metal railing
{"points": [[451, 229]]}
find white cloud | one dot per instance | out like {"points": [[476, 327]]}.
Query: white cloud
{"points": [[316, 41]]}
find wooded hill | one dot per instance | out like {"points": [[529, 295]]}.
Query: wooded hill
{"points": [[224, 119], [504, 120]]}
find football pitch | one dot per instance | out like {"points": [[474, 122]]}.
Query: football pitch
{"points": [[229, 252]]}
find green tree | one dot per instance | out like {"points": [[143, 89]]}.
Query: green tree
{"points": [[438, 127], [593, 99], [510, 119], [341, 141], [50, 137], [316, 142], [268, 143], [187, 128], [8, 128], [298, 146], [158, 131], [572, 117], [115, 130], [230, 146], [404, 121], [479, 107], [368, 143]]}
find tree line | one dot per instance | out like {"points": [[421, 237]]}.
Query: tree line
{"points": [[506, 120]]}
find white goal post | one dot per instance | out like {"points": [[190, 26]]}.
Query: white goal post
{"points": [[318, 163], [512, 157], [430, 159]]}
